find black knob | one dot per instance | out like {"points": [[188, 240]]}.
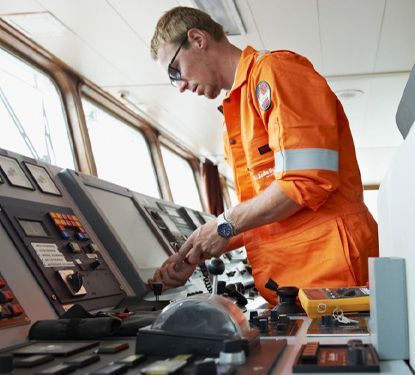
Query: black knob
{"points": [[6, 363], [274, 315], [216, 266], [157, 288], [204, 368], [284, 319], [75, 280], [252, 315], [328, 321], [95, 264], [272, 285], [263, 325], [356, 355]]}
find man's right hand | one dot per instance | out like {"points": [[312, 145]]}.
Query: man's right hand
{"points": [[172, 276]]}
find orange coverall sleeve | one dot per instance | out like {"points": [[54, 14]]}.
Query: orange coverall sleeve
{"points": [[301, 122]]}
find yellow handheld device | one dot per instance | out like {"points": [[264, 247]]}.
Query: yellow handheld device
{"points": [[323, 301]]}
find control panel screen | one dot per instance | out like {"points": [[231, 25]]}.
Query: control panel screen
{"points": [[130, 226], [43, 180], [170, 210], [14, 173], [194, 218], [34, 228], [169, 223]]}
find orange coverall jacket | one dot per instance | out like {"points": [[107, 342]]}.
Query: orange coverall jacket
{"points": [[283, 122]]}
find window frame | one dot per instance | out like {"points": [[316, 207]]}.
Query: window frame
{"points": [[111, 108], [72, 87]]}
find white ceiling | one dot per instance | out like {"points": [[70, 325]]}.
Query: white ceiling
{"points": [[357, 45]]}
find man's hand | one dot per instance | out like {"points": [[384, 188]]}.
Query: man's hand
{"points": [[204, 243], [171, 277]]}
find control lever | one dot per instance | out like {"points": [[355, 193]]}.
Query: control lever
{"points": [[287, 297], [157, 289], [75, 280], [216, 267]]}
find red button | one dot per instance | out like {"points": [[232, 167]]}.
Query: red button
{"points": [[9, 296], [16, 310]]}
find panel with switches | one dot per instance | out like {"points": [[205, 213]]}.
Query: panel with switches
{"points": [[60, 253], [11, 312]]}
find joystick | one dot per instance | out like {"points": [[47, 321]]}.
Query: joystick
{"points": [[216, 267], [157, 289], [287, 297]]}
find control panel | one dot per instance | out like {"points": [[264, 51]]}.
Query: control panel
{"points": [[71, 243], [51, 259], [141, 232], [59, 251], [11, 311]]}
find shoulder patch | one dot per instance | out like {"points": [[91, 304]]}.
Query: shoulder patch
{"points": [[263, 95]]}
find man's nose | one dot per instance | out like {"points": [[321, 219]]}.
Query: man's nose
{"points": [[182, 86]]}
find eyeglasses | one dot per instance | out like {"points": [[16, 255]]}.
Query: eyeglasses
{"points": [[174, 74]]}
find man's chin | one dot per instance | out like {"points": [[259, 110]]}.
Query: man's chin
{"points": [[212, 94]]}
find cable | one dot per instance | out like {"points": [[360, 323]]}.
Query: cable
{"points": [[206, 280]]}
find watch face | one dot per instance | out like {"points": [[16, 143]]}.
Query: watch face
{"points": [[224, 230]]}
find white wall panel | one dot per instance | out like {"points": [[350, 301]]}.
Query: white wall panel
{"points": [[349, 35]]}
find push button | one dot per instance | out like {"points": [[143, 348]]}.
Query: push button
{"points": [[93, 248], [6, 297], [15, 310], [65, 235], [74, 247]]}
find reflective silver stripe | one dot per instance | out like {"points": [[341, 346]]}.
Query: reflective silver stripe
{"points": [[306, 158], [262, 53]]}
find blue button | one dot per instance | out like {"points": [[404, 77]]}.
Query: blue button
{"points": [[65, 235]]}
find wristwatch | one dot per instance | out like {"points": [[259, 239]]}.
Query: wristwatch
{"points": [[224, 228]]}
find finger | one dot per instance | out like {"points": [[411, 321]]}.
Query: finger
{"points": [[186, 247], [172, 278], [196, 256]]}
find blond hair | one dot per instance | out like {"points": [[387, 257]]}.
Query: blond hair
{"points": [[173, 26]]}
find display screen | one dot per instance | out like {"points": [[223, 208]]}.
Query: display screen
{"points": [[34, 228], [169, 223], [131, 228], [14, 173], [171, 211], [43, 180]]}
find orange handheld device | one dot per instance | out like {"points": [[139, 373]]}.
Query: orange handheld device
{"points": [[323, 301]]}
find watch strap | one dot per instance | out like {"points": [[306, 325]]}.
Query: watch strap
{"points": [[228, 218]]}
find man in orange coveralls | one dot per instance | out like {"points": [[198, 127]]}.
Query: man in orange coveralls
{"points": [[301, 216]]}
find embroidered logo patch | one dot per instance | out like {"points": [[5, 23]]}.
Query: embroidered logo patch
{"points": [[263, 94], [264, 149]]}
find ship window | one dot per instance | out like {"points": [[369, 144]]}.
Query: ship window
{"points": [[120, 151], [32, 116], [181, 180]]}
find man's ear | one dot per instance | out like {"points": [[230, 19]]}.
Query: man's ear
{"points": [[198, 38]]}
